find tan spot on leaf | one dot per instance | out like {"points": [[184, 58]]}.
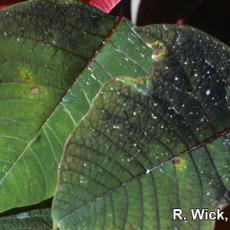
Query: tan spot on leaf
{"points": [[34, 91]]}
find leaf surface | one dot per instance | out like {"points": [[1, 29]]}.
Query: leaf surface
{"points": [[54, 57], [40, 59], [152, 144]]}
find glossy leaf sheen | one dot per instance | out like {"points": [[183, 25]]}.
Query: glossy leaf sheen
{"points": [[153, 144]]}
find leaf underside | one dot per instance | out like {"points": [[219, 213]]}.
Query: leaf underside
{"points": [[152, 144]]}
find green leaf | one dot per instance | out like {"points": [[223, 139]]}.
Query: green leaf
{"points": [[54, 57], [152, 144], [44, 46], [39, 219]]}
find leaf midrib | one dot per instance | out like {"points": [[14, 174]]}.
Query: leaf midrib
{"points": [[117, 22]]}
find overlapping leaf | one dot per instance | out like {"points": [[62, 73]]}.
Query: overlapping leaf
{"points": [[44, 47], [153, 144], [54, 57]]}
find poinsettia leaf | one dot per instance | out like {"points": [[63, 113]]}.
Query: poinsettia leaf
{"points": [[152, 144], [54, 56], [104, 5], [6, 3], [31, 220], [41, 56]]}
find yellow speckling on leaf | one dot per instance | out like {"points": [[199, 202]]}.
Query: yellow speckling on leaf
{"points": [[26, 75], [159, 50]]}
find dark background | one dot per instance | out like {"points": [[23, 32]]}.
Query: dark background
{"points": [[211, 16]]}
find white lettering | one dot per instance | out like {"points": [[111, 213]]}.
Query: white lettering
{"points": [[177, 214]]}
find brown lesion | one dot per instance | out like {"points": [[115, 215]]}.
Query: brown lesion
{"points": [[176, 161], [179, 163], [28, 78]]}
